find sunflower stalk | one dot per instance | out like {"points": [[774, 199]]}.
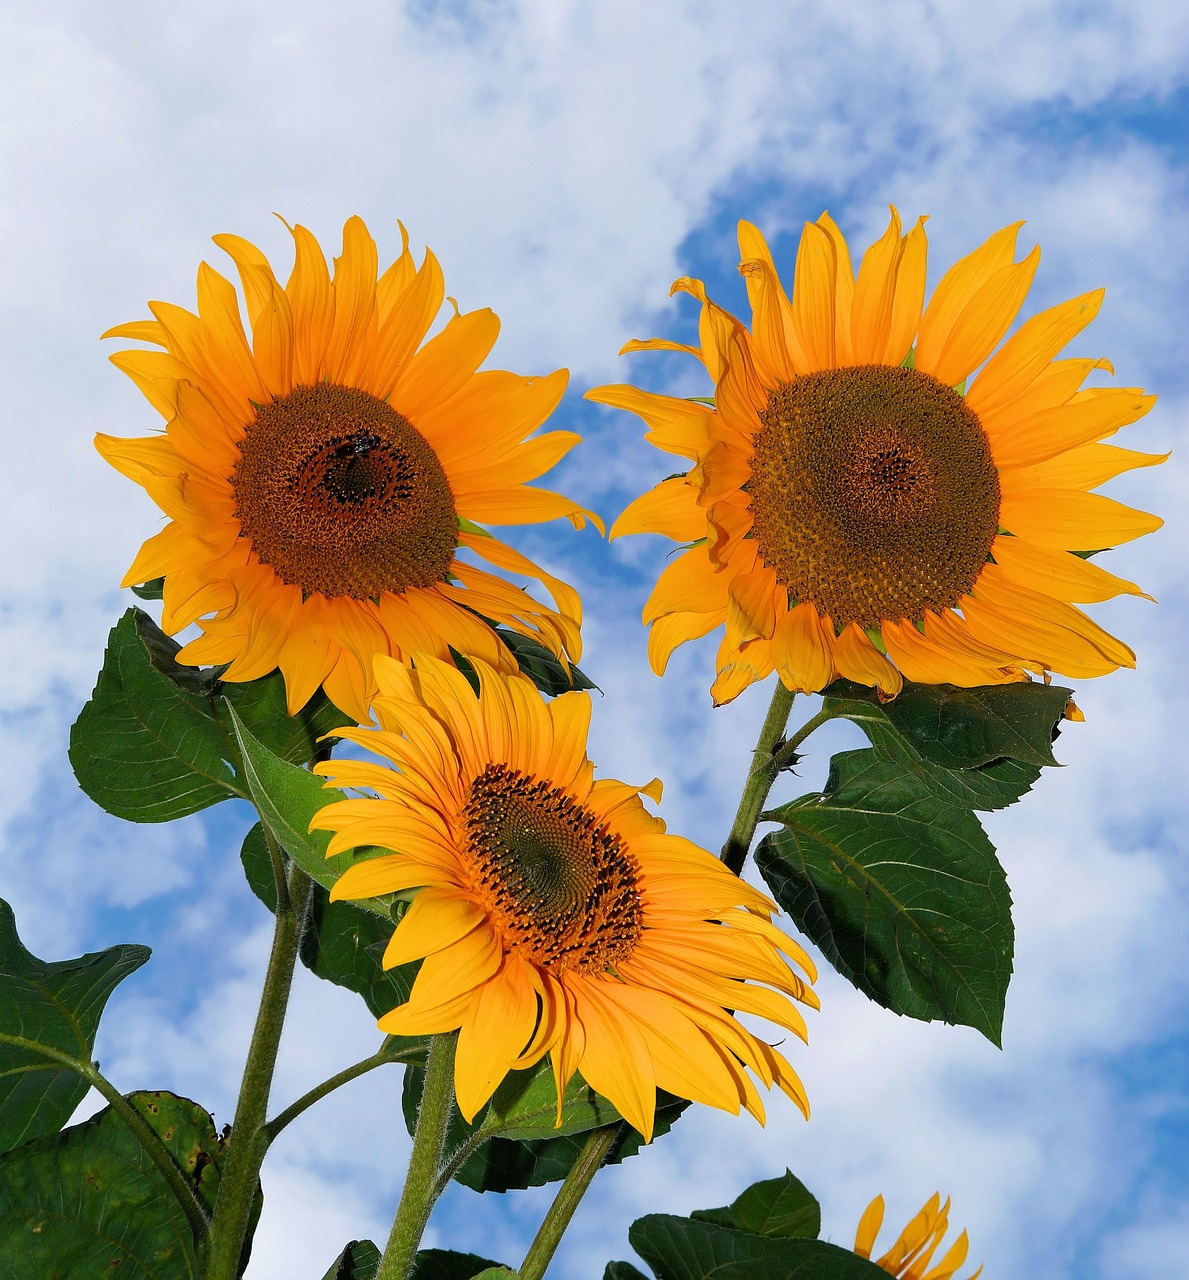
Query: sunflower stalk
{"points": [[422, 1185], [249, 1133], [763, 773], [590, 1160]]}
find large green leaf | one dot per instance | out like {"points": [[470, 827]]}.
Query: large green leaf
{"points": [[146, 747], [341, 942], [695, 1249], [963, 728], [900, 889], [781, 1206], [88, 1202], [49, 1012], [151, 745], [521, 1146]]}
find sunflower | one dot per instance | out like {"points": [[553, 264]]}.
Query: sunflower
{"points": [[909, 1257], [322, 479], [552, 913], [853, 510]]}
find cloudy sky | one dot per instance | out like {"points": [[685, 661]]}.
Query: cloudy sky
{"points": [[566, 159]]}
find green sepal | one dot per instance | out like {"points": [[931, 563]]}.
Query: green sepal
{"points": [[154, 589], [522, 1147], [287, 797], [781, 1206], [900, 890], [150, 745], [696, 1249], [49, 1011], [446, 1264], [359, 1260], [340, 942], [89, 1202], [542, 665]]}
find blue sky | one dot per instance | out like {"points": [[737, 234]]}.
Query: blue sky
{"points": [[566, 161]]}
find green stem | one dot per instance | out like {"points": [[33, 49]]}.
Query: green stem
{"points": [[759, 779], [249, 1136], [380, 1058], [421, 1181], [582, 1172]]}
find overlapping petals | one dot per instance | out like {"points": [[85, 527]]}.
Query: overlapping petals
{"points": [[366, 331], [643, 994], [1044, 430], [911, 1256]]}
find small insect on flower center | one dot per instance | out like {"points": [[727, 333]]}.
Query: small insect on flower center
{"points": [[339, 494], [873, 492], [560, 886]]}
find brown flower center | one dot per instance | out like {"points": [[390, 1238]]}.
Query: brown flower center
{"points": [[341, 495], [873, 492], [561, 887]]}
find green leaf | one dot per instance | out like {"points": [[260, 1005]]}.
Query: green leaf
{"points": [[287, 797], [989, 786], [358, 1261], [89, 1201], [542, 666], [149, 745], [446, 1264], [693, 1249], [495, 1273], [900, 890], [341, 942], [49, 1011], [521, 1146], [146, 747], [964, 728], [776, 1207]]}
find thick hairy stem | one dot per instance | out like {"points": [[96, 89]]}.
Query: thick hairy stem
{"points": [[421, 1182]]}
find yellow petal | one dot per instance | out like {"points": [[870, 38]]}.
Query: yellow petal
{"points": [[952, 295], [1012, 369], [1070, 520], [858, 659], [814, 287]]}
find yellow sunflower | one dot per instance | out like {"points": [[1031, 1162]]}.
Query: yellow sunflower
{"points": [[553, 914], [853, 510], [322, 478], [909, 1257]]}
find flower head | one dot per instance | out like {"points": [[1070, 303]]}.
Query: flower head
{"points": [[910, 1256], [323, 480], [853, 510], [553, 914]]}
